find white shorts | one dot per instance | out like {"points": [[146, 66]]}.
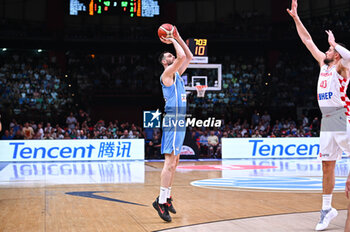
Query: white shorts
{"points": [[334, 137]]}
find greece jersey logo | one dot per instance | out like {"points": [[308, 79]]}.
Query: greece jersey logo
{"points": [[151, 119]]}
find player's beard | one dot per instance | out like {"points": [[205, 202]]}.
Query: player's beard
{"points": [[170, 62], [327, 61]]}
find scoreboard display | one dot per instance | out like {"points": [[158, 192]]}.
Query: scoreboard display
{"points": [[199, 48], [131, 8]]}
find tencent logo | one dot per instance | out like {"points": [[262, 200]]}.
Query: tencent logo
{"points": [[151, 119]]}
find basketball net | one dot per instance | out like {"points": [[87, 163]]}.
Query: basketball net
{"points": [[201, 90]]}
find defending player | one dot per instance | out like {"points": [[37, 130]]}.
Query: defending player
{"points": [[334, 105], [175, 108]]}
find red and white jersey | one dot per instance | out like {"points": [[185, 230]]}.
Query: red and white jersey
{"points": [[331, 91]]}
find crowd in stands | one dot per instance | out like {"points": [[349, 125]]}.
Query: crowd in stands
{"points": [[32, 85], [208, 140], [135, 74], [243, 80], [293, 81], [117, 74], [77, 126]]}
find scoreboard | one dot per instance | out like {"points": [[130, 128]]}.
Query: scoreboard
{"points": [[131, 8], [199, 49]]}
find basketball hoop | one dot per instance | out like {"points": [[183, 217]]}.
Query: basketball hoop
{"points": [[201, 90]]}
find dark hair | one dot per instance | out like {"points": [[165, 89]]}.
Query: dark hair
{"points": [[161, 57]]}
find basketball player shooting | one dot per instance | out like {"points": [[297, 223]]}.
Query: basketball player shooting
{"points": [[334, 105], [175, 108]]}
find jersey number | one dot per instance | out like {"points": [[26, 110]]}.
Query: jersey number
{"points": [[323, 84]]}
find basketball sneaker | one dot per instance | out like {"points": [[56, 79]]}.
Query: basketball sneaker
{"points": [[326, 217], [170, 205], [162, 210]]}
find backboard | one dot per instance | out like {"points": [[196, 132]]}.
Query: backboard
{"points": [[203, 74]]}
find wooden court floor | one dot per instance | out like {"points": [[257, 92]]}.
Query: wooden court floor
{"points": [[127, 207]]}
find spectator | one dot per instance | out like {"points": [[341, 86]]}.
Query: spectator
{"points": [[48, 135], [255, 118], [272, 135], [28, 131], [7, 135], [136, 134], [40, 131], [66, 135], [203, 141], [48, 128], [155, 146], [15, 126], [81, 134], [315, 125], [305, 121], [125, 135], [266, 118], [213, 142], [256, 134], [19, 135], [71, 121], [82, 116]]}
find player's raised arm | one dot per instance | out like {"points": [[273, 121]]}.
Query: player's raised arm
{"points": [[186, 49], [169, 72], [304, 34]]}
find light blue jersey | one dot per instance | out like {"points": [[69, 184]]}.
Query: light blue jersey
{"points": [[174, 128]]}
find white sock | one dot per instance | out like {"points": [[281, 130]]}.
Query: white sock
{"points": [[326, 201], [168, 192], [162, 195]]}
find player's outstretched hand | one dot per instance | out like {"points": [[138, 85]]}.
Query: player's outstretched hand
{"points": [[167, 40], [347, 187], [331, 38], [293, 11]]}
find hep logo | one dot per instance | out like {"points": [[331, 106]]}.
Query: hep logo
{"points": [[151, 119], [324, 155], [323, 84]]}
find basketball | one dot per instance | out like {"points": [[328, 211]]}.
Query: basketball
{"points": [[166, 30]]}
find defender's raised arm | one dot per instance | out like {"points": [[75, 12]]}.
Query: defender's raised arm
{"points": [[304, 34]]}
